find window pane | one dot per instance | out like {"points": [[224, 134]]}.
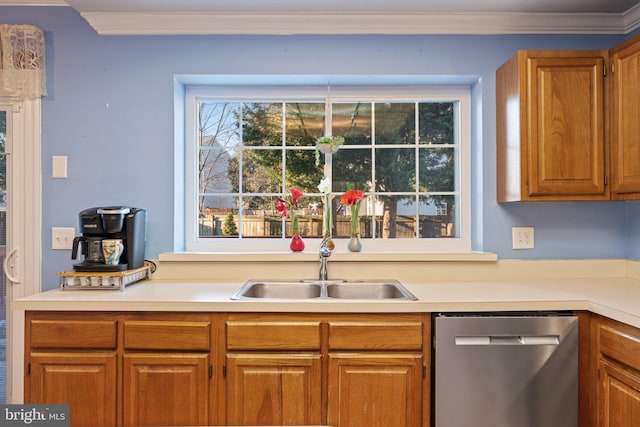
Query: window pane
{"points": [[353, 122], [395, 217], [395, 169], [302, 172], [218, 171], [437, 216], [218, 143], [436, 123], [395, 123], [262, 171], [351, 165], [262, 124], [215, 211], [218, 125], [259, 217], [305, 123], [437, 169]]}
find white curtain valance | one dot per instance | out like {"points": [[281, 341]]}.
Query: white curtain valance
{"points": [[23, 71]]}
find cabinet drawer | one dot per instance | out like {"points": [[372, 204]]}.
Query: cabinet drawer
{"points": [[73, 334], [166, 335], [375, 335], [622, 345], [273, 335]]}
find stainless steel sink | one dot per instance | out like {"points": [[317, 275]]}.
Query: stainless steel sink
{"points": [[324, 289], [279, 290], [369, 290]]}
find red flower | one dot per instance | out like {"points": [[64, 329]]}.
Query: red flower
{"points": [[351, 197], [290, 202], [281, 208], [295, 195]]}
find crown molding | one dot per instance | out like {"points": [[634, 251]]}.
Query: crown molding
{"points": [[632, 19], [386, 24], [33, 3], [208, 23]]}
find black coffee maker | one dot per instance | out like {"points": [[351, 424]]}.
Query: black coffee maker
{"points": [[113, 222]]}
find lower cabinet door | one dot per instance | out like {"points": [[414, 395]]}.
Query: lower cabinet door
{"points": [[619, 401], [375, 390], [166, 389], [274, 389], [85, 381]]}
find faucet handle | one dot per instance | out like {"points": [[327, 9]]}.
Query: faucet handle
{"points": [[328, 243]]}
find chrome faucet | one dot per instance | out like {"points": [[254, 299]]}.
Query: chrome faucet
{"points": [[326, 246]]}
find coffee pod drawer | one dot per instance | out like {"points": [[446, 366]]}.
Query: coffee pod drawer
{"points": [[73, 280]]}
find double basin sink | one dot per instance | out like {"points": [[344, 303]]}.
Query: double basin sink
{"points": [[324, 289]]}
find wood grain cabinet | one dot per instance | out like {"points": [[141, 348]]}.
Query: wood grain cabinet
{"points": [[273, 370], [618, 373], [120, 369], [551, 126], [566, 121], [73, 360], [166, 372], [625, 119], [376, 372], [341, 370], [147, 369]]}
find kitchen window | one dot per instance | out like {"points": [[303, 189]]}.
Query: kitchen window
{"points": [[408, 147]]}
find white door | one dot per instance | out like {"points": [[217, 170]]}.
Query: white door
{"points": [[20, 126]]}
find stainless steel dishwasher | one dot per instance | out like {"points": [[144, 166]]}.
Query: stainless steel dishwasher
{"points": [[506, 370]]}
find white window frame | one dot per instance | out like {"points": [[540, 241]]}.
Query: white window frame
{"points": [[461, 94]]}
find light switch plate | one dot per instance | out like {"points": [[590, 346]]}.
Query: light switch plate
{"points": [[62, 238], [522, 237], [59, 167]]}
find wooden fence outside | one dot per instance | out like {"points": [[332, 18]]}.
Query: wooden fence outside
{"points": [[311, 226]]}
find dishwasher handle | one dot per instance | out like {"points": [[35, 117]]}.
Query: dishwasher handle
{"points": [[508, 340]]}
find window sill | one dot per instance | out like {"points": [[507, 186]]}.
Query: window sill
{"points": [[335, 257]]}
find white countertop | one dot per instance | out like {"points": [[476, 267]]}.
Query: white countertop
{"points": [[616, 297]]}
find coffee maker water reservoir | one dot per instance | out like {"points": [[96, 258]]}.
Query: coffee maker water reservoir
{"points": [[106, 223]]}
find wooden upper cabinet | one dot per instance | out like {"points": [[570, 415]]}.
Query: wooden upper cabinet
{"points": [[625, 120], [550, 126]]}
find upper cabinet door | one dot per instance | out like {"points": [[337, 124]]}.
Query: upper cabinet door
{"points": [[550, 118], [566, 134], [625, 120]]}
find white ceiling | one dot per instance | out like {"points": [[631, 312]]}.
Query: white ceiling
{"points": [[354, 16]]}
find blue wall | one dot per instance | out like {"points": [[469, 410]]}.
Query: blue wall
{"points": [[110, 109]]}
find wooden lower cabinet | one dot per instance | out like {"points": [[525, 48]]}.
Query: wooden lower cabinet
{"points": [[165, 389], [619, 401], [377, 389], [86, 381], [344, 370], [618, 373], [274, 389], [121, 369]]}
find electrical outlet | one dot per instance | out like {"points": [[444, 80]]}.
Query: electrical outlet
{"points": [[522, 237], [62, 238]]}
